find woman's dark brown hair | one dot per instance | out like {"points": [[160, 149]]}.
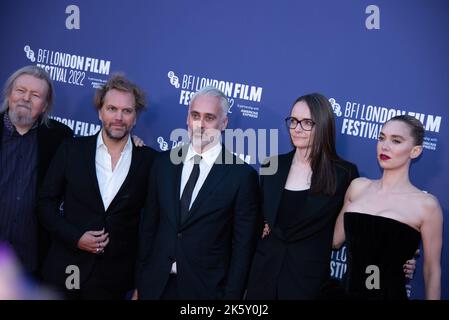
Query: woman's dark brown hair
{"points": [[323, 151], [416, 127]]}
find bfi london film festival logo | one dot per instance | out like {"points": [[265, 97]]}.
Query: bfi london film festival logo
{"points": [[335, 107], [186, 96], [80, 128], [257, 140], [366, 120], [70, 68], [246, 98]]}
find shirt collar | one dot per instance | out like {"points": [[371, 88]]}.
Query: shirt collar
{"points": [[208, 156], [100, 143]]}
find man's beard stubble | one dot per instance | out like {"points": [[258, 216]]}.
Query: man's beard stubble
{"points": [[116, 137]]}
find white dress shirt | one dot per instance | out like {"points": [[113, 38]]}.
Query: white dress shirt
{"points": [[110, 181], [206, 163]]}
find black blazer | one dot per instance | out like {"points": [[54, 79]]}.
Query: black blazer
{"points": [[307, 254], [213, 247], [49, 138], [72, 177]]}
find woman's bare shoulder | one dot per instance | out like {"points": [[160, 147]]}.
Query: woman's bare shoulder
{"points": [[430, 205], [358, 186], [361, 183]]}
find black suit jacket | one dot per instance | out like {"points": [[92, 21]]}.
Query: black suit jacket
{"points": [[72, 177], [305, 257], [213, 247], [49, 138]]}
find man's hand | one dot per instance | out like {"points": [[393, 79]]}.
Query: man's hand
{"points": [[266, 230], [410, 266], [138, 142], [93, 241]]}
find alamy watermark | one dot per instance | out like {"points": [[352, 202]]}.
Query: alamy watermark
{"points": [[373, 280], [256, 144], [72, 282]]}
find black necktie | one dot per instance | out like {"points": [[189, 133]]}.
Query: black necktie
{"points": [[188, 189]]}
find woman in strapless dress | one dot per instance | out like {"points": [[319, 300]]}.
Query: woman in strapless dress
{"points": [[383, 221]]}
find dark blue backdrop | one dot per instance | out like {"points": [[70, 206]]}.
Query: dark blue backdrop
{"points": [[266, 53]]}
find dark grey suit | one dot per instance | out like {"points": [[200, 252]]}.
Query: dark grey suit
{"points": [[213, 247]]}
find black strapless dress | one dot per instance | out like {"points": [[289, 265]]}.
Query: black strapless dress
{"points": [[382, 242]]}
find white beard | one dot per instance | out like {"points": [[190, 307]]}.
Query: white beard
{"points": [[21, 118]]}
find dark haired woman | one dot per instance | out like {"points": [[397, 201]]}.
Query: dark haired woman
{"points": [[301, 202], [384, 220]]}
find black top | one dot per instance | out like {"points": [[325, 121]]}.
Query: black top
{"points": [[289, 214], [18, 177], [297, 267], [382, 242], [49, 136]]}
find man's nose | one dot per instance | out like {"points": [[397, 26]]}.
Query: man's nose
{"points": [[27, 96], [198, 123], [118, 115]]}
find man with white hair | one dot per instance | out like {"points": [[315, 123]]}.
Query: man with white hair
{"points": [[28, 141], [198, 230]]}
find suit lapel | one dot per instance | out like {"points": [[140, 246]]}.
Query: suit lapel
{"points": [[216, 174], [173, 181], [177, 172], [274, 187], [89, 155]]}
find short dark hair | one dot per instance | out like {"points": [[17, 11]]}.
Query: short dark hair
{"points": [[416, 127], [119, 82], [38, 73]]}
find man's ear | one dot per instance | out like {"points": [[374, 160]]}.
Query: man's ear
{"points": [[416, 152]]}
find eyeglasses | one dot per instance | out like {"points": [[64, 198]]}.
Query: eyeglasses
{"points": [[306, 124]]}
